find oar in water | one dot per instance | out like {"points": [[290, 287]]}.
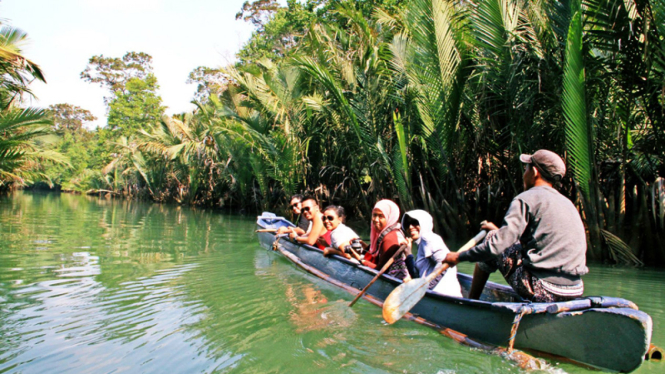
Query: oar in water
{"points": [[276, 242], [408, 294], [266, 230], [383, 270]]}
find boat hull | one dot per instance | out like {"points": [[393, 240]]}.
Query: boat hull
{"points": [[613, 339]]}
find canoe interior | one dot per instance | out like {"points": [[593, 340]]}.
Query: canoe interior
{"points": [[603, 332], [493, 292]]}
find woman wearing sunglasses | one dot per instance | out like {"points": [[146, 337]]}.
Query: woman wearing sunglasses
{"points": [[341, 235], [418, 225]]}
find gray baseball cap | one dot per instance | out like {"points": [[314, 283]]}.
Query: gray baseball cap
{"points": [[548, 162]]}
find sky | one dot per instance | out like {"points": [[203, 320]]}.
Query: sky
{"points": [[179, 35]]}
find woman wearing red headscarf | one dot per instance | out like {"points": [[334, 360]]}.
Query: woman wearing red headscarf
{"points": [[386, 237]]}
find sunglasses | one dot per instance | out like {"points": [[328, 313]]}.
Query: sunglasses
{"points": [[411, 222], [305, 209], [329, 218], [294, 205]]}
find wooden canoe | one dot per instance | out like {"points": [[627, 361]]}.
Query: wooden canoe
{"points": [[603, 332]]}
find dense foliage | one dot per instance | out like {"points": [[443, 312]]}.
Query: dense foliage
{"points": [[428, 102], [22, 129]]}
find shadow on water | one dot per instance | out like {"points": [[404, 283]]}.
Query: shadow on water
{"points": [[90, 285]]}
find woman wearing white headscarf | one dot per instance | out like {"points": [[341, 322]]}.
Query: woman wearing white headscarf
{"points": [[418, 224]]}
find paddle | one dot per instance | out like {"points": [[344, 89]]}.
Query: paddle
{"points": [[407, 295], [275, 243], [266, 230], [383, 270], [356, 255]]}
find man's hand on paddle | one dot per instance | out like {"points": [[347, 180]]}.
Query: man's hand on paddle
{"points": [[489, 226], [452, 259]]}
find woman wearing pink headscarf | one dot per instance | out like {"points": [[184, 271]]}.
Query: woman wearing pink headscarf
{"points": [[386, 237]]}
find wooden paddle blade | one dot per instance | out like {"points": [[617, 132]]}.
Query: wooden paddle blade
{"points": [[403, 298], [407, 295]]}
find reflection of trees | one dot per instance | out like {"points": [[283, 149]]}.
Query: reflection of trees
{"points": [[119, 284], [136, 238], [101, 273], [40, 230], [32, 311], [132, 288], [255, 309], [111, 324]]}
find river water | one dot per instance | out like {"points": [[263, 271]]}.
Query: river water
{"points": [[90, 285]]}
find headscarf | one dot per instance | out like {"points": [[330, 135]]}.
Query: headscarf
{"points": [[391, 211], [426, 223], [424, 219]]}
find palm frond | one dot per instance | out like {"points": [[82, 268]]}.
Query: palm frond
{"points": [[619, 250], [324, 77], [10, 53], [578, 136]]}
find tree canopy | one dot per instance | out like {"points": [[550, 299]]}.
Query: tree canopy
{"points": [[427, 102], [69, 117], [114, 73]]}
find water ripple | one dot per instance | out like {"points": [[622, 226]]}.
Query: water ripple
{"points": [[105, 286]]}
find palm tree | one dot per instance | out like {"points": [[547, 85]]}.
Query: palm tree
{"points": [[353, 93], [15, 69], [128, 167], [21, 161], [613, 116]]}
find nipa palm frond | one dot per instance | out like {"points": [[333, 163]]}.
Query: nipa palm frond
{"points": [[619, 250], [578, 137]]}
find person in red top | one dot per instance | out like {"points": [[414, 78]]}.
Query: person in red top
{"points": [[386, 237]]}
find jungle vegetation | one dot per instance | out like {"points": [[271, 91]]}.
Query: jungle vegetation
{"points": [[427, 102], [23, 129]]}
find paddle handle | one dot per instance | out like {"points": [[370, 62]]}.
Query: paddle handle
{"points": [[266, 230], [473, 242], [383, 270], [470, 244], [276, 242], [357, 256]]}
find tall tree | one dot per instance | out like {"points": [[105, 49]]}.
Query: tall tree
{"points": [[114, 73], [209, 81], [21, 161], [134, 102], [136, 107], [69, 117], [279, 29], [257, 12]]}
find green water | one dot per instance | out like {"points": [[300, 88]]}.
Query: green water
{"points": [[89, 285]]}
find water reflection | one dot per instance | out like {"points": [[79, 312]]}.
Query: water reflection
{"points": [[312, 311], [92, 285]]}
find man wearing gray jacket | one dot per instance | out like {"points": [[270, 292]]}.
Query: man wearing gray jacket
{"points": [[541, 247]]}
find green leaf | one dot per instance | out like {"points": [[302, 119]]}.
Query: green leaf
{"points": [[578, 135]]}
